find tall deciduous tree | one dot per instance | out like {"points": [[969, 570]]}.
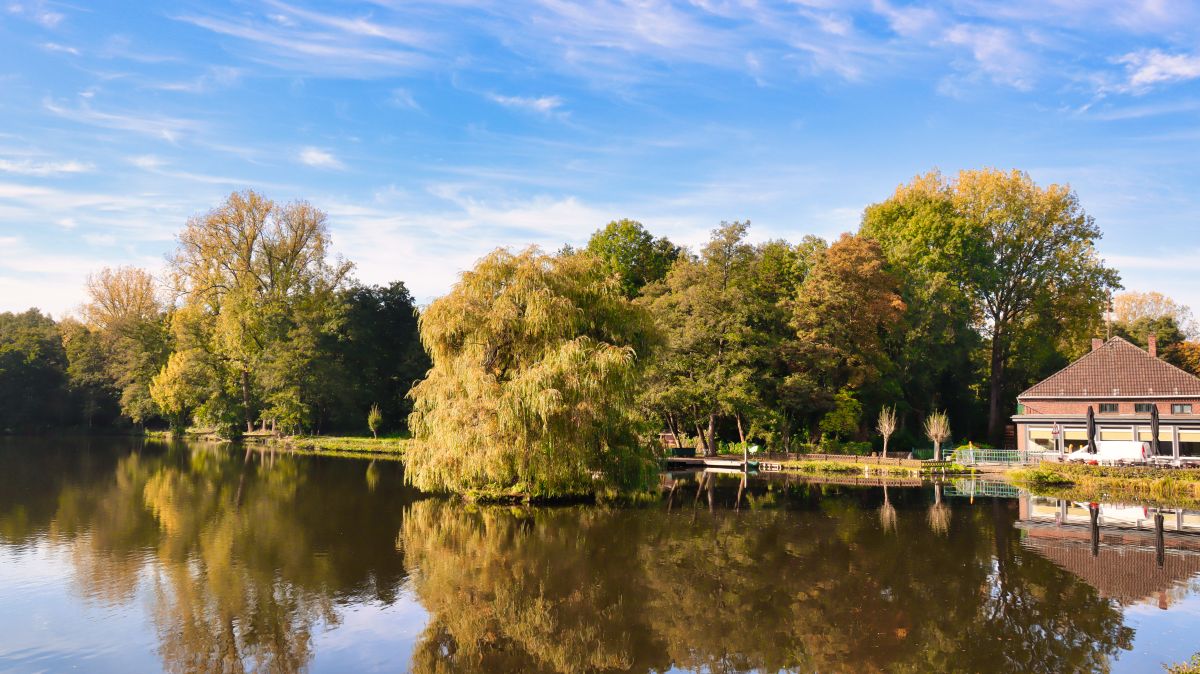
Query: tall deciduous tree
{"points": [[536, 361], [932, 349], [1131, 307], [130, 319], [1039, 248], [33, 373], [704, 309], [843, 313], [377, 355], [632, 254], [258, 290], [1022, 254]]}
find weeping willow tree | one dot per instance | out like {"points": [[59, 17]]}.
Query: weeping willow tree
{"points": [[536, 360]]}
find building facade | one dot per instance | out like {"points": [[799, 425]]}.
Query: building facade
{"points": [[1122, 384]]}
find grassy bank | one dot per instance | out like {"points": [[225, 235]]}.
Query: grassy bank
{"points": [[816, 467], [390, 446], [1152, 486], [393, 446]]}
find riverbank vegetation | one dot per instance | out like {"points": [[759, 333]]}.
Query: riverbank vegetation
{"points": [[953, 295], [1173, 487]]}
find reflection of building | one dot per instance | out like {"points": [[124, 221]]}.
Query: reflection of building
{"points": [[1122, 383], [1127, 553]]}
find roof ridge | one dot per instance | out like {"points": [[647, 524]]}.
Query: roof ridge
{"points": [[1068, 366], [1118, 351]]}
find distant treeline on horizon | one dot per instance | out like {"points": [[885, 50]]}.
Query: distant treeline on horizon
{"points": [[953, 295]]}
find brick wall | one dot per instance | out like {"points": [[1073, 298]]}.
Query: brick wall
{"points": [[1058, 407]]}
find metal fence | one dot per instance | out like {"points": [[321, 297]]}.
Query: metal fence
{"points": [[972, 488], [1009, 457]]}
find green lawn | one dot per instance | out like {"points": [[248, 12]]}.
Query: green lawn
{"points": [[1153, 486]]}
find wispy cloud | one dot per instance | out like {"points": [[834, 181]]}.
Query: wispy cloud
{"points": [[37, 12], [215, 77], [996, 53], [403, 98], [304, 40], [35, 168], [318, 158], [159, 166], [61, 48], [540, 104], [1149, 67], [160, 126]]}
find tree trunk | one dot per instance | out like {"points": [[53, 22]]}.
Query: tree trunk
{"points": [[745, 449], [702, 442], [246, 400], [937, 450], [711, 445], [885, 441], [995, 392], [673, 426]]}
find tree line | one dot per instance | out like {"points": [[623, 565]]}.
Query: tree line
{"points": [[953, 295], [256, 325]]}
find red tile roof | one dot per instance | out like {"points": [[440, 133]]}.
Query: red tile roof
{"points": [[1117, 369], [1126, 574]]}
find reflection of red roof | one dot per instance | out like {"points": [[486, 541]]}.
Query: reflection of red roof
{"points": [[1117, 369], [1125, 574]]}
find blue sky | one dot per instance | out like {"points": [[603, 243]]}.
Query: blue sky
{"points": [[432, 132]]}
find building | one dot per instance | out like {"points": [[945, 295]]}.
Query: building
{"points": [[1122, 384], [1127, 553]]}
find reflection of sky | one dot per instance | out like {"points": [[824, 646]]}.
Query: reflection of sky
{"points": [[48, 624], [372, 637], [45, 627], [1162, 637]]}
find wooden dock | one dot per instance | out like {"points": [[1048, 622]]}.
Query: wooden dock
{"points": [[718, 462]]}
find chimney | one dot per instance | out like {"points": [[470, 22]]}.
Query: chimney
{"points": [[1097, 343], [1152, 345]]}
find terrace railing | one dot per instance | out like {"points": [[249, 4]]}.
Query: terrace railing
{"points": [[972, 488], [1006, 457]]}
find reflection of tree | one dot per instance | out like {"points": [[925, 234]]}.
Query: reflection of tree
{"points": [[244, 554], [939, 513], [512, 590], [821, 590]]}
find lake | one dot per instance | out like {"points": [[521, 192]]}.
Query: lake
{"points": [[118, 555]]}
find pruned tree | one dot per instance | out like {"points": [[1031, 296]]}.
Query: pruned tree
{"points": [[937, 428], [886, 425], [374, 420]]}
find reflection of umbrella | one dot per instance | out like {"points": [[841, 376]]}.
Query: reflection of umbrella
{"points": [[1091, 431], [1154, 428]]}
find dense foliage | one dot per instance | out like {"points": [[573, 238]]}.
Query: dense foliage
{"points": [[263, 328], [535, 370], [953, 295]]}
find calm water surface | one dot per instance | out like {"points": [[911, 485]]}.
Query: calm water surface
{"points": [[119, 556]]}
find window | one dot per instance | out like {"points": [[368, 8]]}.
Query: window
{"points": [[1108, 408], [1143, 408], [1178, 408]]}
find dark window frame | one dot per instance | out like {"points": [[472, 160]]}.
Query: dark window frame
{"points": [[1143, 408], [1110, 408]]}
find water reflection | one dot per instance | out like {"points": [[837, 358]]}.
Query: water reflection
{"points": [[808, 586], [249, 561], [1131, 554], [232, 550]]}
